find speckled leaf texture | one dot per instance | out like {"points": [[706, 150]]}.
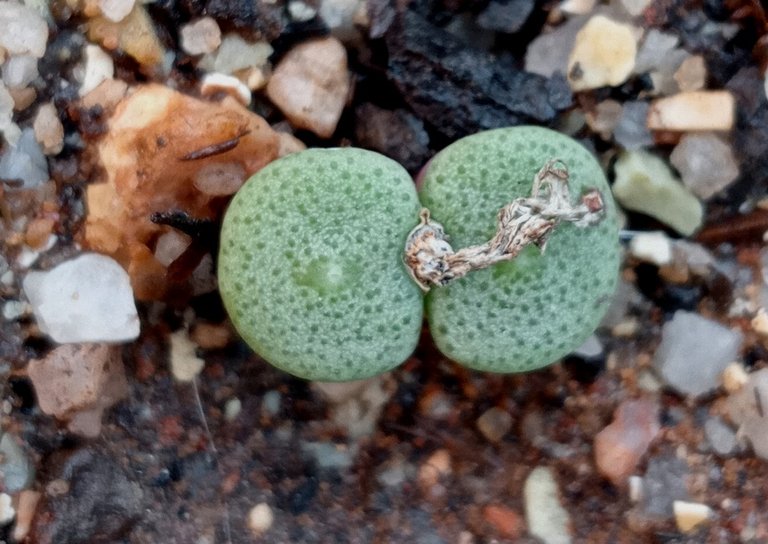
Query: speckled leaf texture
{"points": [[527, 313], [310, 267]]}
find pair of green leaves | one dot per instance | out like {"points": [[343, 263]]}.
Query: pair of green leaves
{"points": [[311, 265]]}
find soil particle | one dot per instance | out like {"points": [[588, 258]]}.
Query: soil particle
{"points": [[460, 90]]}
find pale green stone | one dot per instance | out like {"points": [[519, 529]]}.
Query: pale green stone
{"points": [[645, 183]]}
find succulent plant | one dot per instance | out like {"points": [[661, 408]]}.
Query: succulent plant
{"points": [[314, 264], [526, 313], [310, 266]]}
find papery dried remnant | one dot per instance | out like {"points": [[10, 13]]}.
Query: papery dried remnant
{"points": [[432, 261], [158, 155]]}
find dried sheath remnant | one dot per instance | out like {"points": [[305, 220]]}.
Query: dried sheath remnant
{"points": [[431, 260]]}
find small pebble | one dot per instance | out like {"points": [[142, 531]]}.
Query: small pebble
{"points": [[644, 183], [506, 521], [664, 482], [689, 515], [707, 164], [201, 36], [720, 436], [340, 16], [692, 74], [7, 513], [24, 30], [171, 245], [328, 455], [79, 381], [760, 323], [86, 299], [8, 128], [98, 67], [210, 336], [635, 489], [301, 11], [13, 309], [603, 54], [577, 7], [19, 71], [116, 10], [25, 161], [734, 377], [656, 46], [232, 409], [694, 351], [620, 446], [635, 7], [546, 517], [215, 83], [220, 178], [235, 54], [653, 247], [494, 424], [311, 85], [25, 512], [185, 364], [631, 131], [260, 519], [748, 408], [49, 132], [271, 402], [605, 117], [17, 471], [437, 466], [695, 110], [548, 53]]}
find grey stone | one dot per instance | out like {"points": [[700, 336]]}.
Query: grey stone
{"points": [[693, 353], [16, 470]]}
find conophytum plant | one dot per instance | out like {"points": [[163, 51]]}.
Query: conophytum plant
{"points": [[329, 257]]}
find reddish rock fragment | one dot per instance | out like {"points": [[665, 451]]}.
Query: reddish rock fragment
{"points": [[77, 382], [507, 522], [311, 84], [619, 447], [158, 143]]}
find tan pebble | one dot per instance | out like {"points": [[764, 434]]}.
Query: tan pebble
{"points": [[578, 7], [734, 377], [22, 98], [289, 144], [260, 518], [221, 83], [436, 466], [38, 232], [185, 364], [694, 110], [201, 36], [311, 84], [692, 74], [209, 336], [760, 323], [494, 423], [49, 132], [107, 95], [78, 377], [25, 511], [253, 77], [57, 487], [689, 515], [603, 54], [626, 328]]}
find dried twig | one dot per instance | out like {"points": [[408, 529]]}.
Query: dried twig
{"points": [[431, 260]]}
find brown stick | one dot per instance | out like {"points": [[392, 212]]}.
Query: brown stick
{"points": [[431, 260]]}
